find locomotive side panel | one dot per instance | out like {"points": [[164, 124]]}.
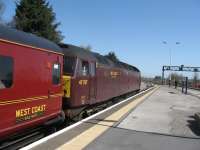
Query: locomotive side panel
{"points": [[110, 79], [104, 84]]}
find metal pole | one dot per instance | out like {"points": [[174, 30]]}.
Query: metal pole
{"points": [[182, 84], [163, 75], [186, 85], [170, 56], [170, 62]]}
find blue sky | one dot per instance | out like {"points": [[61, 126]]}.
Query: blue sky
{"points": [[134, 29]]}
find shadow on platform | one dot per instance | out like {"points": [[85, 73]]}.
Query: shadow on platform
{"points": [[193, 125]]}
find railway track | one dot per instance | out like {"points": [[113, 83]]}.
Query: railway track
{"points": [[18, 141]]}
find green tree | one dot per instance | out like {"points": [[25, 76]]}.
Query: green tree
{"points": [[37, 17], [88, 47], [112, 56], [2, 7]]}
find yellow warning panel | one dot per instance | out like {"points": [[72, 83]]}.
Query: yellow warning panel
{"points": [[67, 86]]}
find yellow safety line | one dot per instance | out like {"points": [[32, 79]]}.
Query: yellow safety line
{"points": [[85, 138]]}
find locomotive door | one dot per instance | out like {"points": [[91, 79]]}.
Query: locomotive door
{"points": [[83, 83], [55, 87], [92, 82], [6, 88]]}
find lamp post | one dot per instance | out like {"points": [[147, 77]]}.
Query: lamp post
{"points": [[170, 57]]}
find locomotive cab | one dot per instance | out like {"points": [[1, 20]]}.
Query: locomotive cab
{"points": [[78, 74], [91, 79]]}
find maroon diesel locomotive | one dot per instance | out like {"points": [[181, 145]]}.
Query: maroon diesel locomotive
{"points": [[91, 79]]}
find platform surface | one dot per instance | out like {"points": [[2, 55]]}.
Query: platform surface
{"points": [[167, 111], [194, 92], [162, 120]]}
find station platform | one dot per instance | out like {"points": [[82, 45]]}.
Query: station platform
{"points": [[161, 118]]}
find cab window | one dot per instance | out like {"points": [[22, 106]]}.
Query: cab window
{"points": [[6, 72], [92, 69], [56, 73], [84, 68], [69, 65]]}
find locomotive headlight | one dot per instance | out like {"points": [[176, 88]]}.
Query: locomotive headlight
{"points": [[67, 86]]}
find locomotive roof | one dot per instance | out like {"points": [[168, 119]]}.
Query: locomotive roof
{"points": [[71, 50], [28, 39]]}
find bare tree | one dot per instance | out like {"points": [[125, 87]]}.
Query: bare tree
{"points": [[195, 79], [176, 76]]}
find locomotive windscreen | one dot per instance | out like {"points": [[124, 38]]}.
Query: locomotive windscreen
{"points": [[69, 65]]}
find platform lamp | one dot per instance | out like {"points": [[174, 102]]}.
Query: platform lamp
{"points": [[170, 56]]}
